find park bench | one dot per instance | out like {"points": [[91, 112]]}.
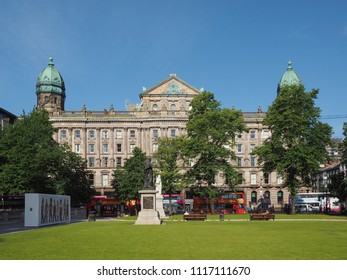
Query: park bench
{"points": [[190, 217], [262, 216]]}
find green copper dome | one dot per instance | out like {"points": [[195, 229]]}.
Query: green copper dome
{"points": [[289, 77], [50, 80]]}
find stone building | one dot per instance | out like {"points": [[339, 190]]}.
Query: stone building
{"points": [[106, 138], [6, 118]]}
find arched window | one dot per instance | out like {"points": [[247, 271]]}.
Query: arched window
{"points": [[254, 197], [173, 107], [155, 107], [267, 194], [280, 197]]}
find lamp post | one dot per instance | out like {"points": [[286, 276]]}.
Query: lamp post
{"points": [[325, 181], [326, 200]]}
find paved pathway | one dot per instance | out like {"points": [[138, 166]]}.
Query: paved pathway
{"points": [[18, 225]]}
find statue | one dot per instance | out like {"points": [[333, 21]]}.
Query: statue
{"points": [[148, 175], [158, 185]]}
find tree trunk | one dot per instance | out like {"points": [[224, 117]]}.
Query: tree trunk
{"points": [[170, 204], [212, 205], [293, 203]]}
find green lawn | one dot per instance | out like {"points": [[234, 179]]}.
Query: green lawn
{"points": [[238, 238]]}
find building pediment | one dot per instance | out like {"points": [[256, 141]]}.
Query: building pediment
{"points": [[172, 95], [172, 86]]}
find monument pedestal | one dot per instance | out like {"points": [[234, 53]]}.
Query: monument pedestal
{"points": [[148, 214], [159, 205]]}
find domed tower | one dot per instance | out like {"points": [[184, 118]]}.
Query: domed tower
{"points": [[289, 78], [50, 89]]}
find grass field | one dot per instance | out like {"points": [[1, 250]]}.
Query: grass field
{"points": [[298, 237]]}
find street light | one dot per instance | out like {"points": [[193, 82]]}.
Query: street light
{"points": [[326, 199], [325, 183]]}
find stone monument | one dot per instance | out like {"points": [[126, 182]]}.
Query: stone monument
{"points": [[159, 197], [148, 214]]}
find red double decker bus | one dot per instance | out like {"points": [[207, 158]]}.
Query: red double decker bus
{"points": [[175, 199], [228, 203], [111, 207]]}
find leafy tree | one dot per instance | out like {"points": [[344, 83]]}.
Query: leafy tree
{"points": [[298, 142], [211, 133], [338, 185], [128, 180], [29, 155], [73, 178], [169, 165], [343, 146], [31, 161]]}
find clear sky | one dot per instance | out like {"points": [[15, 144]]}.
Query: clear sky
{"points": [[107, 50]]}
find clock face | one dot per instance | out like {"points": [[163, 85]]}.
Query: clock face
{"points": [[148, 202]]}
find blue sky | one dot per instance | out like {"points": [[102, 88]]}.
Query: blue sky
{"points": [[107, 50]]}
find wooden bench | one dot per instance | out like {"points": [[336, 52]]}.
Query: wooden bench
{"points": [[262, 216], [190, 217]]}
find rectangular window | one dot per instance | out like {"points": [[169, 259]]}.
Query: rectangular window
{"points": [[253, 178], [252, 133], [132, 147], [239, 135], [252, 147], [91, 179], [173, 132], [266, 178], [239, 148], [91, 162], [239, 178], [105, 148], [62, 134], [265, 134], [118, 134], [77, 148], [77, 134], [105, 180], [104, 162], [91, 148], [155, 147], [132, 133], [119, 161], [91, 134], [239, 161], [119, 148], [279, 180], [105, 134], [155, 133], [253, 161]]}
